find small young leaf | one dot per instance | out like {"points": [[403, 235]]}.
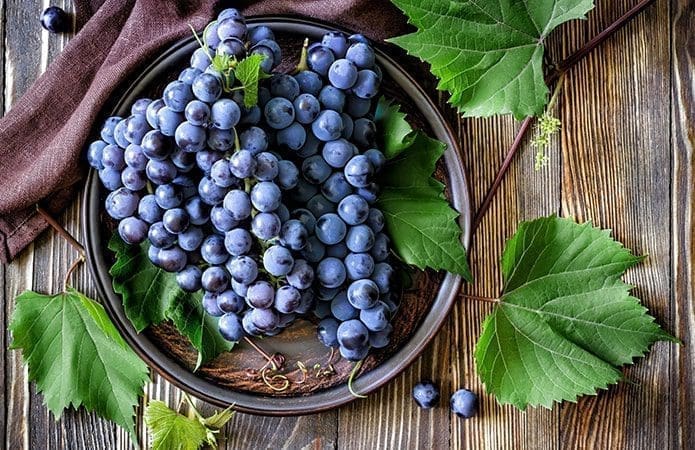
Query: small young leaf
{"points": [[218, 420], [487, 53], [566, 321], [76, 356], [171, 430], [420, 222], [151, 295], [249, 73]]}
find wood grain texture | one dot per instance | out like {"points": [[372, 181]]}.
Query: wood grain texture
{"points": [[624, 159], [682, 213], [614, 172]]}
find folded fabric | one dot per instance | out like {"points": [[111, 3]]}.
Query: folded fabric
{"points": [[42, 137]]}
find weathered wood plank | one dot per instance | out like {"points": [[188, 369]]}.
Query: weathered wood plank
{"points": [[21, 67], [251, 432], [17, 279], [5, 379], [389, 418], [615, 165], [683, 214], [524, 194]]}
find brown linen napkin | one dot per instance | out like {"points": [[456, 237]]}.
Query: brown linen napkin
{"points": [[42, 137]]}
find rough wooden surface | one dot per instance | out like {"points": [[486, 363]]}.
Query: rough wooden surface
{"points": [[624, 159]]}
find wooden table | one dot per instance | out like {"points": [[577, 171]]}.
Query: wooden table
{"points": [[624, 160]]}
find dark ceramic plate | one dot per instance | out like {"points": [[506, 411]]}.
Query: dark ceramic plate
{"points": [[230, 379]]}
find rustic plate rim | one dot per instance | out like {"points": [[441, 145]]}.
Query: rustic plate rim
{"points": [[332, 397]]}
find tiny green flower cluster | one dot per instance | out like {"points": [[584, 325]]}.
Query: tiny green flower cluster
{"points": [[547, 126]]}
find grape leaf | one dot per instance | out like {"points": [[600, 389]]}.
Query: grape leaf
{"points": [[200, 328], [487, 53], [151, 295], [76, 356], [248, 71], [147, 291], [396, 133], [419, 220], [171, 430], [566, 321]]}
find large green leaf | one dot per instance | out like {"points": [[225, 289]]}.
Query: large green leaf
{"points": [[420, 222], [566, 320], [76, 356], [151, 295], [487, 53]]}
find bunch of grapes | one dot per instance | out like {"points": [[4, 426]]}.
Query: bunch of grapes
{"points": [[268, 209]]}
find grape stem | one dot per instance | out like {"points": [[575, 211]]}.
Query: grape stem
{"points": [[480, 298], [237, 143], [71, 269], [60, 230], [351, 379], [192, 410], [265, 354], [561, 69], [200, 43], [302, 65]]}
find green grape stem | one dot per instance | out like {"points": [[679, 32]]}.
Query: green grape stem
{"points": [[201, 43], [302, 64], [351, 379]]}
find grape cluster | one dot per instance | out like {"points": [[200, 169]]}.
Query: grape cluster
{"points": [[272, 222]]}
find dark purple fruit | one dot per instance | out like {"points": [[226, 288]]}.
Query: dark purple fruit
{"points": [[55, 20]]}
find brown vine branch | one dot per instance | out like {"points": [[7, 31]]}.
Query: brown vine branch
{"points": [[60, 230], [563, 67], [276, 361], [71, 269], [597, 40], [525, 125]]}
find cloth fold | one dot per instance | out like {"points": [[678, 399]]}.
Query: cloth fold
{"points": [[43, 136]]}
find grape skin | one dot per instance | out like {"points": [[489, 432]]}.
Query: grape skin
{"points": [[270, 208]]}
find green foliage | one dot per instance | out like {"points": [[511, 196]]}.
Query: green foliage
{"points": [[395, 133], [151, 295], [547, 127], [566, 321], [487, 53], [76, 356], [171, 430], [249, 73], [419, 220]]}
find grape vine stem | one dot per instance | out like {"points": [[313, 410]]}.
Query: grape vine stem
{"points": [[479, 298], [60, 230], [561, 69], [71, 269], [265, 354]]}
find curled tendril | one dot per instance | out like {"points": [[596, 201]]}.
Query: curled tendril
{"points": [[304, 371], [278, 360], [268, 380], [353, 374]]}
